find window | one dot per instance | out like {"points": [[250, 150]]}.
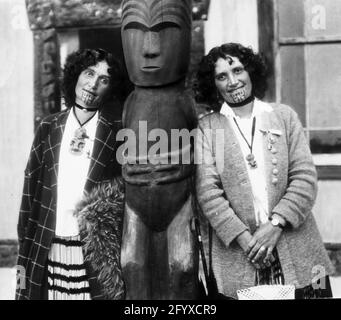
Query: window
{"points": [[302, 41]]}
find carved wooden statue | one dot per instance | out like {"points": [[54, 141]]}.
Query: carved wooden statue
{"points": [[158, 257]]}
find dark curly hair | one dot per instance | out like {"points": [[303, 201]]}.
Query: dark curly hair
{"points": [[204, 85], [78, 61]]}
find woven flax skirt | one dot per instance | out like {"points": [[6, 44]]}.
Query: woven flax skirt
{"points": [[67, 279]]}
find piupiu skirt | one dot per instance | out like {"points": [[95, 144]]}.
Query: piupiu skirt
{"points": [[67, 278], [274, 275]]}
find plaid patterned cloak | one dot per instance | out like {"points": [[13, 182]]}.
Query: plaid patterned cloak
{"points": [[37, 218]]}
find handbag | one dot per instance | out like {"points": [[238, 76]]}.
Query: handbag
{"points": [[267, 292], [210, 290]]}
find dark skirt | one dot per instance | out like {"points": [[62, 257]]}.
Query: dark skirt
{"points": [[274, 275]]}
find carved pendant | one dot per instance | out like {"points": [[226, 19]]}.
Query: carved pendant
{"points": [[250, 158], [77, 143]]}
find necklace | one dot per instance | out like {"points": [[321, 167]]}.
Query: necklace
{"points": [[85, 109], [77, 143], [250, 158], [243, 103]]}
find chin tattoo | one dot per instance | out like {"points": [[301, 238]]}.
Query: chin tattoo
{"points": [[238, 96], [87, 98]]}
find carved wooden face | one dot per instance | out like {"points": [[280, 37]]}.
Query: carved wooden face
{"points": [[156, 36]]}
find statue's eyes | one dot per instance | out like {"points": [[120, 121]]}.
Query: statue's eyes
{"points": [[137, 26], [164, 25], [155, 28]]}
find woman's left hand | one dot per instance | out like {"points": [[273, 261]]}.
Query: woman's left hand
{"points": [[263, 241]]}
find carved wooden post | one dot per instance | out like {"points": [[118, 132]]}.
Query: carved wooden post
{"points": [[46, 73], [46, 59], [159, 257]]}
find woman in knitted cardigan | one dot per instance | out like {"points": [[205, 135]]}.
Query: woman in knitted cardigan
{"points": [[256, 182]]}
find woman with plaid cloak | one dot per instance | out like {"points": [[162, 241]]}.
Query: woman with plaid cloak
{"points": [[70, 218]]}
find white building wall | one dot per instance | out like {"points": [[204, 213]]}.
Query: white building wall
{"points": [[232, 21], [327, 210], [16, 109]]}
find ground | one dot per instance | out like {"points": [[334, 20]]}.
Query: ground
{"points": [[7, 284]]}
